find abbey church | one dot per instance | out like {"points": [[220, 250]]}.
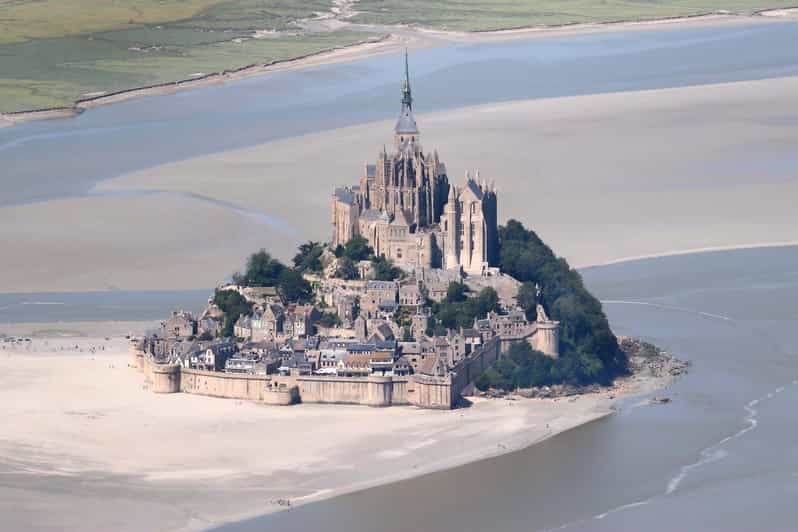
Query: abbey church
{"points": [[406, 208]]}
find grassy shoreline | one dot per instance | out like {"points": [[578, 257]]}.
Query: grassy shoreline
{"points": [[61, 76]]}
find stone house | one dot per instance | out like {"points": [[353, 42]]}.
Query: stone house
{"points": [[345, 305], [214, 356], [410, 296], [268, 323], [210, 327], [299, 320], [472, 340], [179, 325], [296, 364], [243, 327], [420, 322]]}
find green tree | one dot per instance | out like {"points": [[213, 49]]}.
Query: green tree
{"points": [[383, 270], [357, 249], [458, 310], [293, 288], [234, 305], [456, 292], [308, 257], [589, 351], [261, 270], [346, 269], [329, 319], [527, 299]]}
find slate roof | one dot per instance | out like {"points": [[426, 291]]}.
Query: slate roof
{"points": [[345, 195], [406, 124]]}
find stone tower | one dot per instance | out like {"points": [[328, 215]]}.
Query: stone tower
{"points": [[469, 227]]}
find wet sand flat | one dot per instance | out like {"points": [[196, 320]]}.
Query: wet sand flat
{"points": [[599, 177]]}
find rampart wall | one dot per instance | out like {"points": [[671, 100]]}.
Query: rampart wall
{"points": [[424, 391]]}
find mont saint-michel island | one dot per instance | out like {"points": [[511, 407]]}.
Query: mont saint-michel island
{"points": [[390, 266], [419, 298]]}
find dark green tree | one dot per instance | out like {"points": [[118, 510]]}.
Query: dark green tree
{"points": [[589, 351], [328, 319], [357, 249], [293, 288], [346, 269], [383, 270], [528, 300], [233, 305], [308, 257], [456, 292], [261, 270]]}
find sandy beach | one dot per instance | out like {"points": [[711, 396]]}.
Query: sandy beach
{"points": [[617, 199], [103, 444]]}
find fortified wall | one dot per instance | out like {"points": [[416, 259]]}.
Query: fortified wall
{"points": [[423, 391]]}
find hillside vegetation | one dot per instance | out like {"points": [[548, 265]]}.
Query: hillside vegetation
{"points": [[589, 351]]}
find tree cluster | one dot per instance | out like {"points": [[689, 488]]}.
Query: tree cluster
{"points": [[308, 258], [457, 309], [329, 319], [358, 249], [234, 305], [589, 351], [264, 270], [522, 367]]}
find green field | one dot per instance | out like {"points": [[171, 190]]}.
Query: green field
{"points": [[475, 15], [53, 52]]}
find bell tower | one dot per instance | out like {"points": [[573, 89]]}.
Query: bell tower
{"points": [[406, 132]]}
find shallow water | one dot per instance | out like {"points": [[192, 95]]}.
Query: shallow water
{"points": [[721, 456], [111, 305], [50, 159]]}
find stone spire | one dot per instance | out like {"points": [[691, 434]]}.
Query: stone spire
{"points": [[406, 129], [407, 97]]}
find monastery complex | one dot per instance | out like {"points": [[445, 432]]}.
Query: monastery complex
{"points": [[358, 339], [408, 211]]}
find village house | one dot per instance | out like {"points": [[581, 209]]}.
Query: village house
{"points": [[410, 295], [179, 325]]}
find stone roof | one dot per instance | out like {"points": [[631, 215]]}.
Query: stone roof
{"points": [[402, 218], [374, 215], [358, 360], [433, 365], [345, 195], [384, 331], [406, 123], [381, 285], [474, 188], [470, 333], [410, 348]]}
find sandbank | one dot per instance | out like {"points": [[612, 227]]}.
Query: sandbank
{"points": [[599, 177], [78, 421], [133, 241]]}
